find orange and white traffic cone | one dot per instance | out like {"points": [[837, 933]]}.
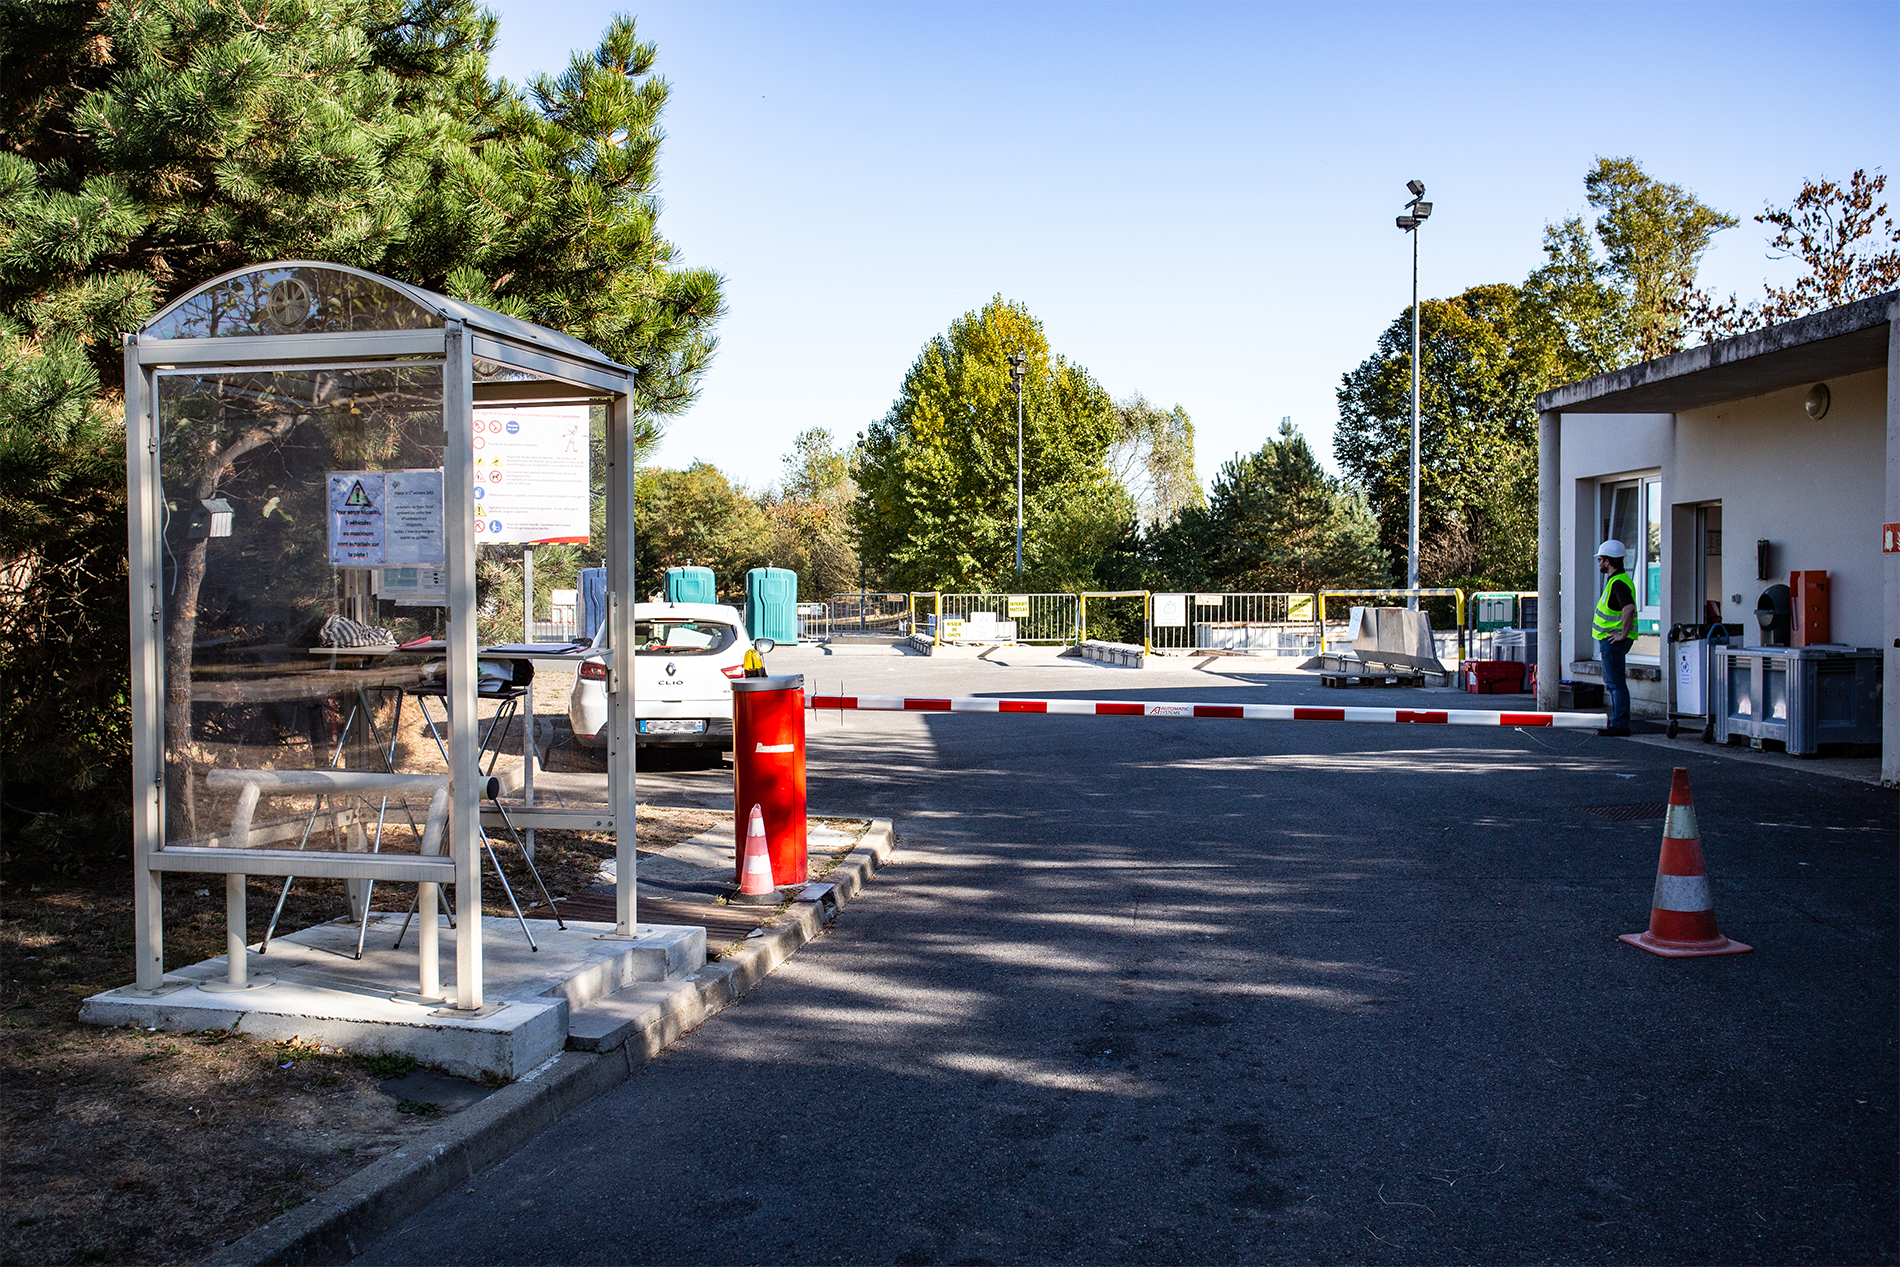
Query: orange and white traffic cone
{"points": [[1682, 914], [755, 876]]}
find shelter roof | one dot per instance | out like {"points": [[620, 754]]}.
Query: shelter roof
{"points": [[1828, 344], [297, 297]]}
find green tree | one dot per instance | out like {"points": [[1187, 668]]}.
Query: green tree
{"points": [[695, 518], [144, 151], [1654, 236], [808, 517], [1483, 359], [1275, 522], [936, 505]]}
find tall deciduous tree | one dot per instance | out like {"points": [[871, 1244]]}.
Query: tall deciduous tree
{"points": [[1654, 235], [695, 518], [808, 517], [1483, 358], [936, 505], [1153, 458]]}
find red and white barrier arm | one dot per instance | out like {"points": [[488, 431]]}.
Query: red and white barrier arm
{"points": [[1237, 712]]}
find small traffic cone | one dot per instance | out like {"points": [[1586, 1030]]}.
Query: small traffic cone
{"points": [[755, 877], [1682, 914]]}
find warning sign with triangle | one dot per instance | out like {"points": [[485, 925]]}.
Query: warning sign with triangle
{"points": [[357, 496]]}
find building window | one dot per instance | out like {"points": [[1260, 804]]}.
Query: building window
{"points": [[1631, 512]]}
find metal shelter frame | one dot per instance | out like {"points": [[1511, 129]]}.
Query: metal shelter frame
{"points": [[484, 357]]}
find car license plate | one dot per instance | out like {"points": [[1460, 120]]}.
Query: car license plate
{"points": [[669, 727]]}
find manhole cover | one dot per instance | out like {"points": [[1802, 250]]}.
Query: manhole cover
{"points": [[1633, 812]]}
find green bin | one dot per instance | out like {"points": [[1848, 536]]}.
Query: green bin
{"points": [[771, 604], [690, 585]]}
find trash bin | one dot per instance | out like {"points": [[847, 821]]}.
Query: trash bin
{"points": [[768, 770]]}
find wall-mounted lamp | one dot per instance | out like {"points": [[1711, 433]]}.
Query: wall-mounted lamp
{"points": [[1819, 398]]}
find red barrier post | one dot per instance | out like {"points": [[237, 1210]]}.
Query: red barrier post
{"points": [[768, 770]]}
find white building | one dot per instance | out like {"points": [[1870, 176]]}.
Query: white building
{"points": [[1788, 435]]}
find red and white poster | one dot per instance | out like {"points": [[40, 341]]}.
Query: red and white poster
{"points": [[531, 474]]}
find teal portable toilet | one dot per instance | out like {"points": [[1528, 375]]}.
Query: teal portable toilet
{"points": [[690, 585], [771, 604]]}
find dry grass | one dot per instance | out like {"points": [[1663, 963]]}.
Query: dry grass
{"points": [[137, 1147]]}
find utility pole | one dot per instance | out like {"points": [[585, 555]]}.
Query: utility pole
{"points": [[1016, 385], [1417, 212]]}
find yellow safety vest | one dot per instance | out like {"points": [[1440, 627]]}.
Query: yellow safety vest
{"points": [[1609, 621]]}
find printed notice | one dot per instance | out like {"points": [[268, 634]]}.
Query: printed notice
{"points": [[357, 502], [1170, 609], [531, 474], [413, 520]]}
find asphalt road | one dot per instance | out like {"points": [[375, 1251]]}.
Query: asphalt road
{"points": [[1195, 991]]}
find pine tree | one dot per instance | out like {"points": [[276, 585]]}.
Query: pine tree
{"points": [[145, 150]]}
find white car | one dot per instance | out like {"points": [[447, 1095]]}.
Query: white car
{"points": [[685, 656]]}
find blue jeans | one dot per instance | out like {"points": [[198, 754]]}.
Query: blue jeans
{"points": [[1616, 691]]}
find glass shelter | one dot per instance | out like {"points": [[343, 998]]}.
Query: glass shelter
{"points": [[303, 484]]}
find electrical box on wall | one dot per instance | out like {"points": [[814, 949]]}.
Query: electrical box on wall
{"points": [[1809, 625]]}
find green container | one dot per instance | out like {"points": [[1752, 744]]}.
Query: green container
{"points": [[690, 585], [1493, 611], [771, 604]]}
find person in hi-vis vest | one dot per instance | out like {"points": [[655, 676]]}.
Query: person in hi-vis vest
{"points": [[1615, 630]]}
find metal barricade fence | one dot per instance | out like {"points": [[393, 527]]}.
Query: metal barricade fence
{"points": [[872, 614], [1245, 624], [1031, 618]]}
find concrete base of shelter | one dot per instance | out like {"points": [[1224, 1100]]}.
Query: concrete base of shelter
{"points": [[324, 995]]}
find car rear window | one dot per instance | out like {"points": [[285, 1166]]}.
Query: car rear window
{"points": [[682, 637]]}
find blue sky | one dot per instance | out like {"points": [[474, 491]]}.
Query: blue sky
{"points": [[1196, 200]]}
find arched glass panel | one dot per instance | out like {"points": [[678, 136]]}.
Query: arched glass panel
{"points": [[292, 299]]}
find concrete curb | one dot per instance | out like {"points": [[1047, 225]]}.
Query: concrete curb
{"points": [[338, 1223]]}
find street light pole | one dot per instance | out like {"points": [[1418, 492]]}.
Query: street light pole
{"points": [[1016, 385], [1418, 211]]}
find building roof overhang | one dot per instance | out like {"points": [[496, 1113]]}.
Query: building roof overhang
{"points": [[1849, 339]]}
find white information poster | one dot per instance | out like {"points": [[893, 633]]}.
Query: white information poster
{"points": [[357, 502], [1170, 609], [412, 531], [385, 517], [531, 474]]}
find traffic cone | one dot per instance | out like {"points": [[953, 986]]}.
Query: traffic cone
{"points": [[1682, 914], [755, 877]]}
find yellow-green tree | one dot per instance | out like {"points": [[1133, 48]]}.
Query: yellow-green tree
{"points": [[936, 506]]}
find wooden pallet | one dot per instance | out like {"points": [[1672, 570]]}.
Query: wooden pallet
{"points": [[1371, 678]]}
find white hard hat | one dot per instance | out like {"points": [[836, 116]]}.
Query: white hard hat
{"points": [[1611, 549]]}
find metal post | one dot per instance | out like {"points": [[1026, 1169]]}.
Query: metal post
{"points": [[1411, 564], [147, 679], [529, 753], [622, 788], [1549, 557], [1019, 483], [234, 952], [458, 477]]}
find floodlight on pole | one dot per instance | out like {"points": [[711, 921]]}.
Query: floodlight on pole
{"points": [[1417, 212]]}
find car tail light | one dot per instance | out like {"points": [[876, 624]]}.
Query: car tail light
{"points": [[734, 670], [594, 670]]}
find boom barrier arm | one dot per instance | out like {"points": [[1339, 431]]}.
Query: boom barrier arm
{"points": [[1234, 712]]}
